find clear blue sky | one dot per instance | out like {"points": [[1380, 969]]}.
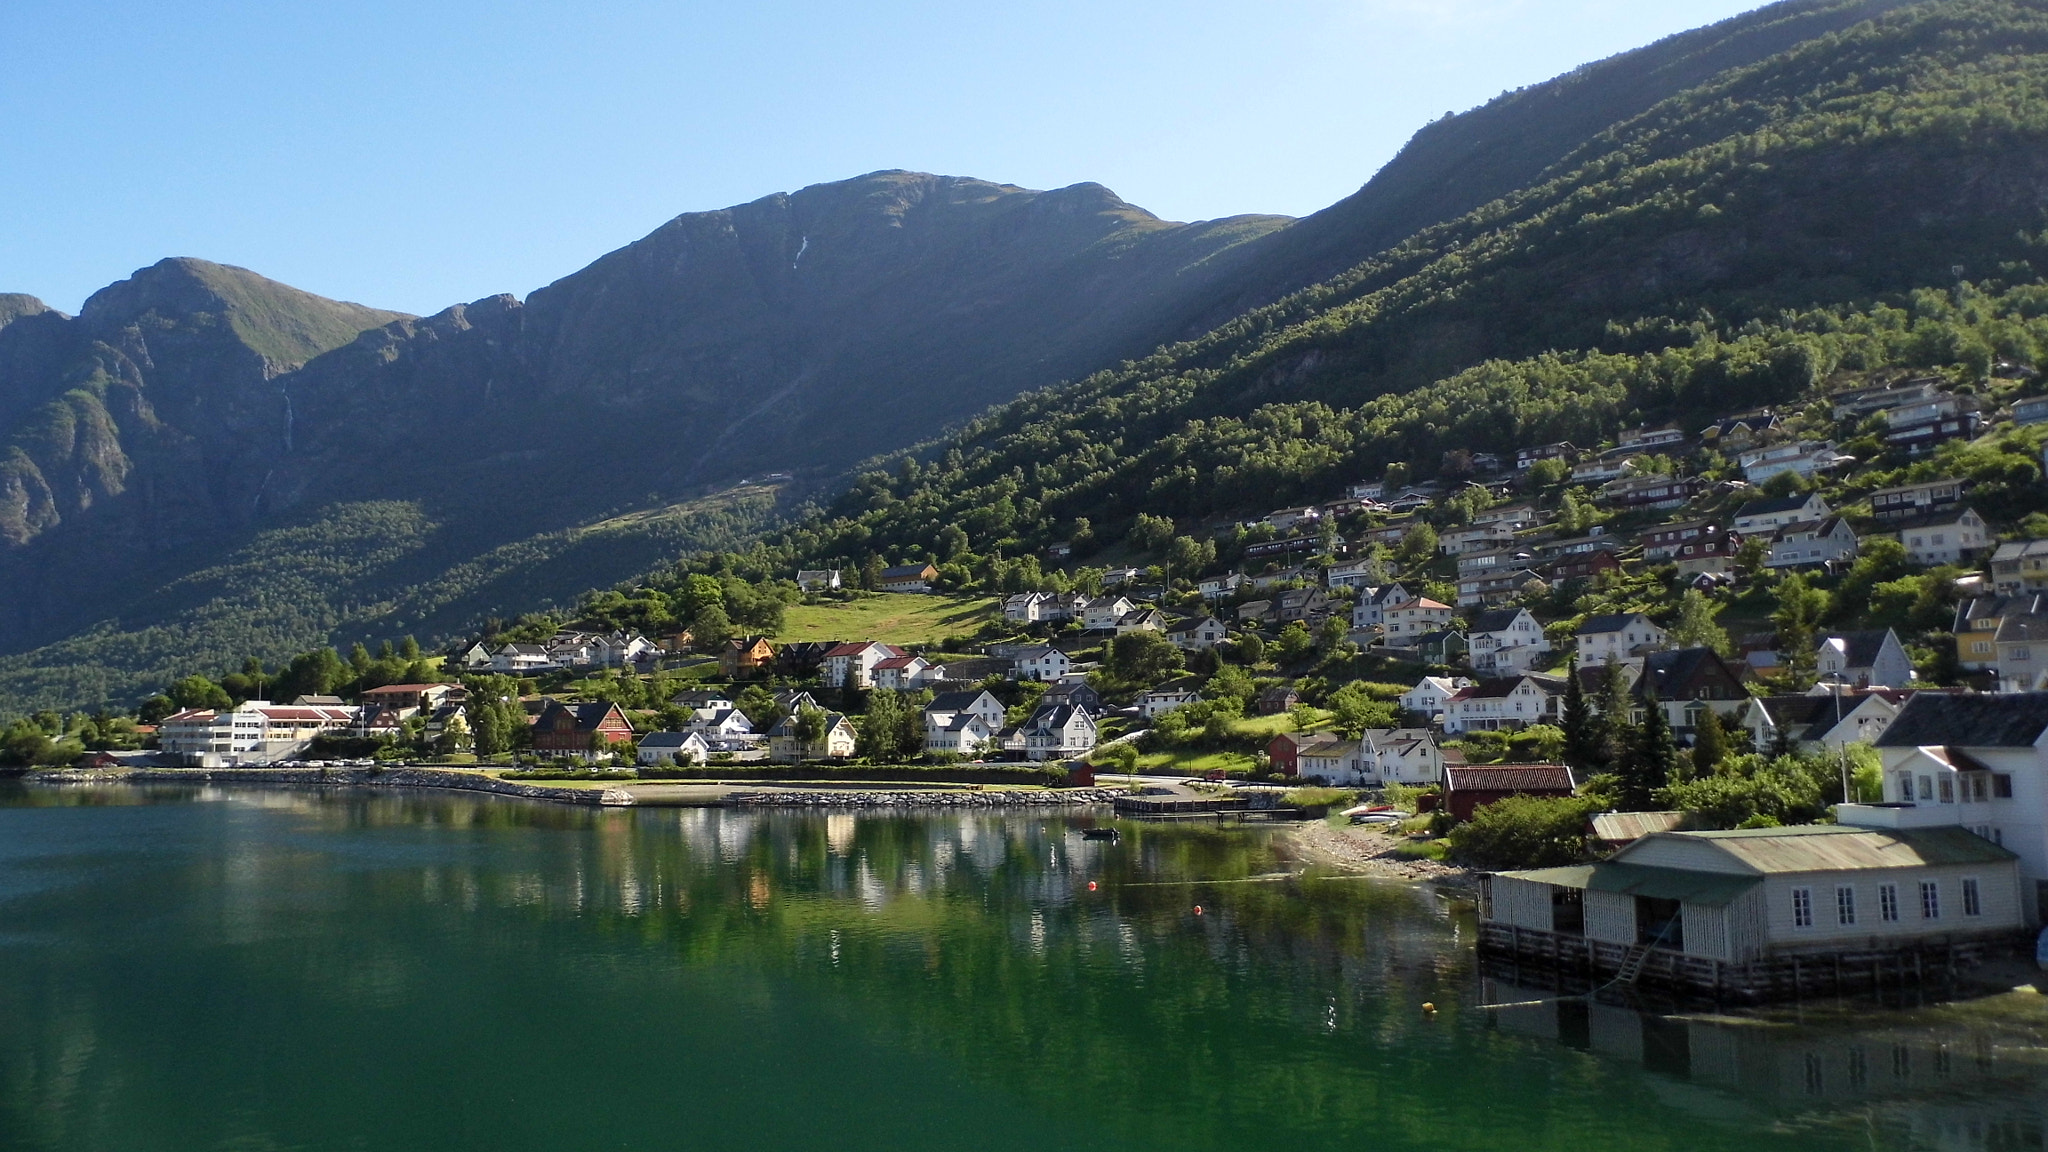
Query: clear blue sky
{"points": [[415, 154]]}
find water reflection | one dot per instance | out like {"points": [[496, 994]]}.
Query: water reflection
{"points": [[960, 969]]}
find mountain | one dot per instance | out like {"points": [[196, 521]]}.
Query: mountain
{"points": [[1722, 217], [205, 462], [1728, 245]]}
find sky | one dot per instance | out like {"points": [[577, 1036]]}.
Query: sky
{"points": [[412, 155]]}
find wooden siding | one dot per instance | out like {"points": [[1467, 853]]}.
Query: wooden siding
{"points": [[1746, 925], [1611, 916], [1523, 903], [1997, 887], [1706, 931]]}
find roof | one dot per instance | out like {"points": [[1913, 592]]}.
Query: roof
{"points": [[2007, 720], [1508, 778], [1940, 517], [955, 701], [1711, 889], [403, 689], [1860, 649], [1496, 619], [1497, 686], [1624, 827], [907, 571], [1666, 673], [1774, 507], [1840, 847], [1423, 602], [2019, 629], [1609, 622], [2016, 549], [897, 662], [668, 739], [1807, 717]]}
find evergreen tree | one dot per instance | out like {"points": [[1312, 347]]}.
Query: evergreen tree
{"points": [[1647, 765], [1582, 736], [1709, 744], [1617, 722]]}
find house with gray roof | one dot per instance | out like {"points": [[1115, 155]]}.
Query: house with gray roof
{"points": [[1979, 762], [1867, 659]]}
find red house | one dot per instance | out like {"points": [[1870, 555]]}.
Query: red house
{"points": [[1468, 786], [567, 729]]}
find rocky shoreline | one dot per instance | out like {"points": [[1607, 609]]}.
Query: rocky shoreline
{"points": [[924, 799], [445, 780]]}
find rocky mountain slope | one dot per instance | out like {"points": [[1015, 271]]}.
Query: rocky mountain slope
{"points": [[177, 454]]}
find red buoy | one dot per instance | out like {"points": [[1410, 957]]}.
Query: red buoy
{"points": [[1198, 909], [1091, 885]]}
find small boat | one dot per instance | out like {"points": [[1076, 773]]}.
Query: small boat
{"points": [[1100, 834], [1377, 814]]}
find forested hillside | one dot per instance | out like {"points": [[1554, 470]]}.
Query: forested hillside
{"points": [[1728, 247]]}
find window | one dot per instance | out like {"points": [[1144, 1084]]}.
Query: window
{"points": [[1906, 787], [1802, 907], [2020, 652], [1888, 902], [1927, 787], [2001, 785], [1930, 900], [1845, 906], [1948, 790], [1973, 905]]}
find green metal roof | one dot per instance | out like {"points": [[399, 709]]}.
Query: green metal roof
{"points": [[1843, 847], [1710, 889]]}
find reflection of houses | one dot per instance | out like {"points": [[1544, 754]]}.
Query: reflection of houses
{"points": [[1763, 912]]}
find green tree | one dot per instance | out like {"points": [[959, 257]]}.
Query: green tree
{"points": [[1651, 763], [1696, 626], [1356, 710], [1584, 740], [1801, 608], [711, 628], [1294, 643], [1709, 744], [198, 692], [1143, 658], [809, 726], [1523, 832], [1251, 648]]}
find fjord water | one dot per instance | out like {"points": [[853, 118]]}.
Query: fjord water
{"points": [[188, 969]]}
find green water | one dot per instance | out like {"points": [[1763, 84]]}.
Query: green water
{"points": [[283, 970]]}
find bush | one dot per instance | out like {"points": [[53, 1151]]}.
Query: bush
{"points": [[1318, 798], [1524, 832]]}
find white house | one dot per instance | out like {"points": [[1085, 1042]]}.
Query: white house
{"points": [[1370, 609], [1873, 659], [1168, 696], [838, 743], [1804, 457], [962, 722], [1197, 635], [1142, 620], [476, 657], [1812, 542], [1040, 662], [1946, 536], [1026, 607], [1354, 573], [1765, 516], [1978, 761], [1505, 702], [853, 664], [1408, 622], [1429, 697], [1816, 721], [1103, 612], [657, 748], [522, 660], [721, 719], [1505, 641], [819, 580], [1220, 587], [1488, 537], [1380, 756], [1620, 635], [1059, 732], [903, 673]]}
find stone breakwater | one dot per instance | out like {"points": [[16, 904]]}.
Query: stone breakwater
{"points": [[328, 778], [1065, 798]]}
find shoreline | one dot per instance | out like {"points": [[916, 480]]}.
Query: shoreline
{"points": [[1370, 852], [705, 794]]}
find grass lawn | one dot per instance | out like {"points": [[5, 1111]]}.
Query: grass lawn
{"points": [[1267, 727], [1202, 762], [890, 617]]}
